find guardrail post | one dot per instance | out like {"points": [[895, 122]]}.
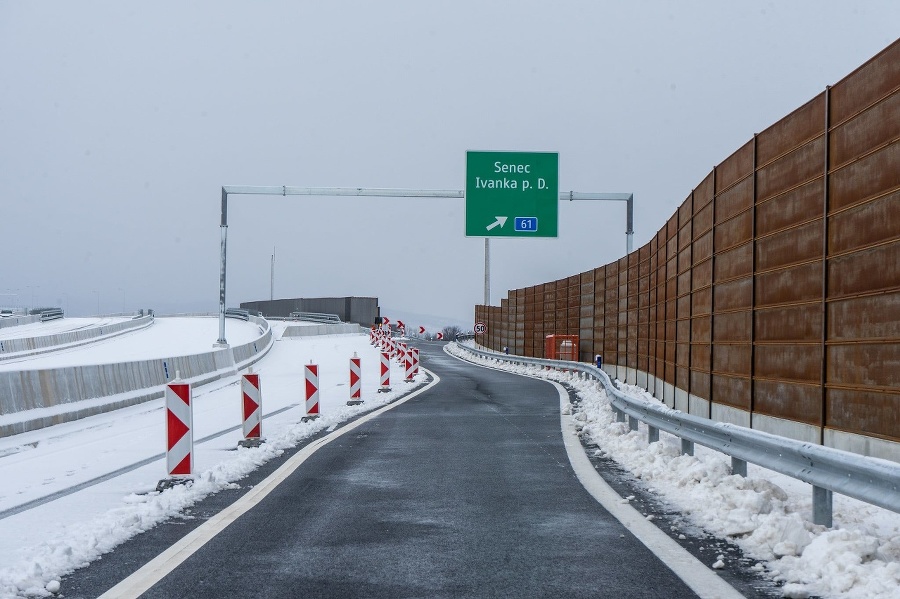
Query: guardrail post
{"points": [[652, 434], [687, 447], [738, 467], [632, 423], [620, 415], [822, 503]]}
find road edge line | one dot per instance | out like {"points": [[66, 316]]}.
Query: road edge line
{"points": [[694, 573], [697, 575], [159, 567]]}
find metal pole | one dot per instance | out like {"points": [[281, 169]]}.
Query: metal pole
{"points": [[629, 218], [222, 342], [487, 271], [272, 284]]}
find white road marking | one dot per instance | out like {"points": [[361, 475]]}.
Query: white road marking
{"points": [[703, 581], [160, 566], [700, 578]]}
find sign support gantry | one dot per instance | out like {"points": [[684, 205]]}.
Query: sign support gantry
{"points": [[285, 190]]}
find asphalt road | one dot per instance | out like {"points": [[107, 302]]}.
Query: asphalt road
{"points": [[463, 491]]}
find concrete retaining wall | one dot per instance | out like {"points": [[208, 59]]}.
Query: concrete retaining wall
{"points": [[30, 400], [34, 345]]}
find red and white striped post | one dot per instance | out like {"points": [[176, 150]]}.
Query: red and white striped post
{"points": [[251, 408], [311, 372], [179, 429], [385, 373], [415, 358], [355, 381], [408, 364]]}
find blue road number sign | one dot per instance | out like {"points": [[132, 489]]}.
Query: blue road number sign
{"points": [[526, 224]]}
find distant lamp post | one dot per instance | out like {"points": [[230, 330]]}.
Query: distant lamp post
{"points": [[32, 288], [15, 296]]}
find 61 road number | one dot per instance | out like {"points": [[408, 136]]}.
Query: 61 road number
{"points": [[480, 328]]}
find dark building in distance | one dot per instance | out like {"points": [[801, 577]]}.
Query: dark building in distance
{"points": [[361, 310]]}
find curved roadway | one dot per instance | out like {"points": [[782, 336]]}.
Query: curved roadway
{"points": [[465, 490]]}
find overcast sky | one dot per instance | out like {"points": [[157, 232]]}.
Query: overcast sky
{"points": [[120, 122]]}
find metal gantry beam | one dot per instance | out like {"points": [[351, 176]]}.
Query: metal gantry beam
{"points": [[285, 190], [628, 198]]}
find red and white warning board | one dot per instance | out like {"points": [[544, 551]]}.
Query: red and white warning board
{"points": [[312, 389], [252, 406], [179, 430], [385, 378], [355, 376]]}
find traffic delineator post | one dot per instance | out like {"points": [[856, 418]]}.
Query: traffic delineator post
{"points": [[408, 364], [251, 410], [415, 360], [311, 374], [385, 380], [355, 381], [179, 434]]}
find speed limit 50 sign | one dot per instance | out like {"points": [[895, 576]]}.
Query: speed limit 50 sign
{"points": [[480, 328]]}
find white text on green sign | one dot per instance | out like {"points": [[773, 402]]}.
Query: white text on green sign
{"points": [[512, 194]]}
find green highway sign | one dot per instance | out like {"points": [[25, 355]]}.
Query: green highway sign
{"points": [[512, 194]]}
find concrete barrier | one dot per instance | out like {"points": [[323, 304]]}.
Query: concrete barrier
{"points": [[14, 321], [322, 329], [28, 346], [34, 399]]}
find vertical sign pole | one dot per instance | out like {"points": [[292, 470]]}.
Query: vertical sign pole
{"points": [[487, 271], [224, 228]]}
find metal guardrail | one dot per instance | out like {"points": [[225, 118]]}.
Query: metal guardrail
{"points": [[316, 317], [238, 313], [51, 314], [827, 469]]}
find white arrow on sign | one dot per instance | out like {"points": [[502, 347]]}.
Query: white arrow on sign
{"points": [[501, 220]]}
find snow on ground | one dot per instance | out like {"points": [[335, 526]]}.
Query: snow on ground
{"points": [[42, 543], [767, 514], [166, 337]]}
